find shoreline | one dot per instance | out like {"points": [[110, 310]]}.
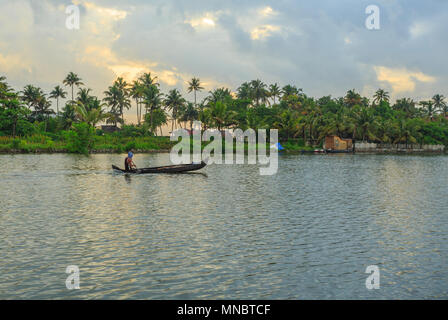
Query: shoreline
{"points": [[145, 151]]}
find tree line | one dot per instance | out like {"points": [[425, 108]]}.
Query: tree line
{"points": [[254, 105]]}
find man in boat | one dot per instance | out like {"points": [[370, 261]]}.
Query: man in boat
{"points": [[129, 163]]}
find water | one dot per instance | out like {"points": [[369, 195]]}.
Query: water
{"points": [[308, 232]]}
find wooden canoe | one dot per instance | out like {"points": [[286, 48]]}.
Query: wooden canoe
{"points": [[179, 168]]}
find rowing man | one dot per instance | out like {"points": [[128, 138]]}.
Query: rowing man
{"points": [[128, 163]]}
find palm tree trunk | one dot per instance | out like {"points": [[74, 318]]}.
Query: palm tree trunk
{"points": [[138, 115], [151, 111], [14, 128], [57, 105], [72, 93]]}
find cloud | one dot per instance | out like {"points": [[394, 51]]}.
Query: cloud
{"points": [[206, 21], [402, 80], [104, 12], [419, 29], [10, 63], [267, 11], [263, 31], [321, 47]]}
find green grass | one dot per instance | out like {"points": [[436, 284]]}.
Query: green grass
{"points": [[116, 144]]}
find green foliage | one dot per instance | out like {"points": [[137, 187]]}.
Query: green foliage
{"points": [[80, 138], [130, 145], [15, 144], [133, 131], [302, 121]]}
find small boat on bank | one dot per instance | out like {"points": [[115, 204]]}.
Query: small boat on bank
{"points": [[338, 151], [179, 168]]}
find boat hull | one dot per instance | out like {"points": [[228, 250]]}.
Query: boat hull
{"points": [[166, 169], [339, 151]]}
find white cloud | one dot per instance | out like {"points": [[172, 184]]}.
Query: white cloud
{"points": [[205, 21], [264, 31], [419, 29], [401, 79], [267, 11]]}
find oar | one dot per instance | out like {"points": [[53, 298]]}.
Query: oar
{"points": [[137, 170]]}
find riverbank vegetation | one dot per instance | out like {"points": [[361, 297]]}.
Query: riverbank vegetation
{"points": [[29, 121]]}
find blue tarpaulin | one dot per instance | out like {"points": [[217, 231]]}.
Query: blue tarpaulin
{"points": [[277, 146]]}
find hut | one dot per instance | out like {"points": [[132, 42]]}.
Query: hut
{"points": [[334, 144], [110, 128]]}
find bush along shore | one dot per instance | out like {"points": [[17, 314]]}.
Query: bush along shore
{"points": [[34, 121], [112, 143]]}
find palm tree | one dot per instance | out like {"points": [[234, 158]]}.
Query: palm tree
{"points": [[152, 98], [58, 92], [440, 104], [311, 118], [352, 98], [405, 104], [288, 123], [11, 104], [31, 95], [205, 118], [428, 107], [274, 91], [159, 118], [336, 123], [72, 80], [244, 92], [380, 96], [221, 115], [117, 97], [194, 85], [290, 90], [219, 94], [407, 131], [68, 115], [42, 109], [4, 88], [84, 97], [190, 113], [90, 116], [114, 118], [259, 91], [366, 121], [147, 80], [174, 102], [136, 93]]}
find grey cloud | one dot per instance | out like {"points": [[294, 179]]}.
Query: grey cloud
{"points": [[310, 50]]}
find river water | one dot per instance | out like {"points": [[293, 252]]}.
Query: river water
{"points": [[308, 232]]}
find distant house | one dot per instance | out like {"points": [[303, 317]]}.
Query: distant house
{"points": [[336, 144], [110, 128]]}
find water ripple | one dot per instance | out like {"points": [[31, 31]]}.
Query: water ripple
{"points": [[308, 232]]}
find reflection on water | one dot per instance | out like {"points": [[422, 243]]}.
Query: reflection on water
{"points": [[307, 232]]}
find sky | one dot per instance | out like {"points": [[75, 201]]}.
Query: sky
{"points": [[321, 46]]}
